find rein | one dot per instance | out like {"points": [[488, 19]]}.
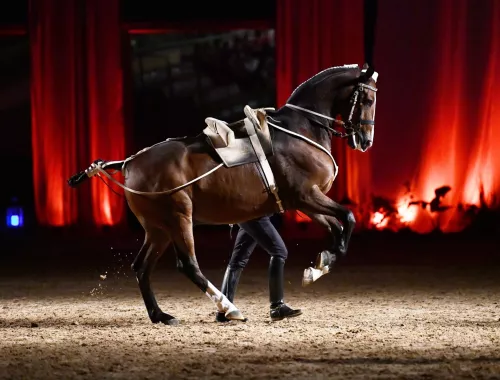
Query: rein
{"points": [[97, 168]]}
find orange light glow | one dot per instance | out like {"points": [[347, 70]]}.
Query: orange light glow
{"points": [[379, 220], [407, 213]]}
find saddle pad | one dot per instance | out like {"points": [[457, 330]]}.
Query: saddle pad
{"points": [[240, 151]]}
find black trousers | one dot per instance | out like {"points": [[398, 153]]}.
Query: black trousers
{"points": [[258, 231]]}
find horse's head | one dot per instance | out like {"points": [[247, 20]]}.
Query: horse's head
{"points": [[346, 91], [361, 117]]}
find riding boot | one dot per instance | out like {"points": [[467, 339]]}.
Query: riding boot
{"points": [[279, 310], [228, 288]]}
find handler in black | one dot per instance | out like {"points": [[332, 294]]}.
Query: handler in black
{"points": [[259, 231]]}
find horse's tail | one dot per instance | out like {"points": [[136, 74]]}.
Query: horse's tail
{"points": [[96, 166]]}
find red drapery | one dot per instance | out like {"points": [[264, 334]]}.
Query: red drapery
{"points": [[484, 168], [444, 164], [312, 36], [76, 91], [437, 107], [105, 105]]}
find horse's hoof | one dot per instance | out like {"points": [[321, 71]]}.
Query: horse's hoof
{"points": [[307, 278], [172, 322], [164, 318], [236, 315], [312, 274], [324, 259], [221, 317]]}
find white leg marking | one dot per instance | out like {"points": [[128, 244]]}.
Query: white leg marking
{"points": [[312, 274], [219, 299]]}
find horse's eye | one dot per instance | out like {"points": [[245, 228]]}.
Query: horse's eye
{"points": [[368, 102]]}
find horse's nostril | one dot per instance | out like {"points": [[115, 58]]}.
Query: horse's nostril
{"points": [[369, 143]]}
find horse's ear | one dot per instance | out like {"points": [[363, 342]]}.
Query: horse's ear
{"points": [[367, 72]]}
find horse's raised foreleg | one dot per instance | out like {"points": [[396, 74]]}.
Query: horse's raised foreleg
{"points": [[188, 264], [315, 202], [325, 212], [336, 241], [155, 244], [325, 259]]}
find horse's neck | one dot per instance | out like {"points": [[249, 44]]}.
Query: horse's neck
{"points": [[320, 101], [298, 123]]}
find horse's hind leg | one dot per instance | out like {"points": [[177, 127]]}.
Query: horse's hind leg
{"points": [[139, 259], [187, 264], [155, 244]]}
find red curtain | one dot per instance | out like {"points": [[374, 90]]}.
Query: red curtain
{"points": [[76, 91], [437, 106], [312, 36], [105, 101], [54, 102], [443, 159], [484, 167]]}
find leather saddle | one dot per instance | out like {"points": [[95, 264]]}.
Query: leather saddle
{"points": [[232, 142]]}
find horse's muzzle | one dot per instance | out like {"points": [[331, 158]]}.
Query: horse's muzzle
{"points": [[357, 142], [365, 145]]}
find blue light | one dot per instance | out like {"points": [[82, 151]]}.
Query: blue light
{"points": [[14, 220], [14, 217]]}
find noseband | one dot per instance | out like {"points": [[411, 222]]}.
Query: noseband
{"points": [[349, 126]]}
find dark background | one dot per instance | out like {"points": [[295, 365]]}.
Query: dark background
{"points": [[408, 301], [70, 245]]}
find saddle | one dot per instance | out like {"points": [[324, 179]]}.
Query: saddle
{"points": [[232, 142], [244, 142]]}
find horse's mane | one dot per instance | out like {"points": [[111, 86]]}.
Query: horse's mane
{"points": [[323, 75], [314, 80]]}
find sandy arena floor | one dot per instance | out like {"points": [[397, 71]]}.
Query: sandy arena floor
{"points": [[358, 323]]}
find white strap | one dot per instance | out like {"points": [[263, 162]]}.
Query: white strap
{"points": [[254, 139], [98, 168], [335, 167], [264, 163], [309, 111]]}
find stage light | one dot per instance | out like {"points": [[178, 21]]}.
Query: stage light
{"points": [[379, 219], [15, 217]]}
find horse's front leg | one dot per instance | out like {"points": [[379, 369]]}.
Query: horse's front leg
{"points": [[325, 259], [325, 212]]}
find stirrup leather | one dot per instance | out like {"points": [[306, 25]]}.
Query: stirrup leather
{"points": [[268, 176]]}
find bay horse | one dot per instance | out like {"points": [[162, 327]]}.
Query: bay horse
{"points": [[179, 183]]}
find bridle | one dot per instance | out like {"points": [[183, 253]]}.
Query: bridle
{"points": [[350, 127]]}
